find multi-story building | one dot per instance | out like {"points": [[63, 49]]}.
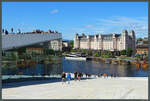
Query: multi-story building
{"points": [[66, 45], [142, 49], [56, 45], [112, 42]]}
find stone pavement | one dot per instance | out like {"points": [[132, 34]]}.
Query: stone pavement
{"points": [[98, 88]]}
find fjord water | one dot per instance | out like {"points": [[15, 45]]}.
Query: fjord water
{"points": [[94, 67], [91, 67]]}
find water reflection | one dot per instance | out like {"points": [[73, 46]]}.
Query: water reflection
{"points": [[56, 68], [101, 67]]}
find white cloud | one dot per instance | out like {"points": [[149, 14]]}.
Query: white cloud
{"points": [[54, 11], [116, 24], [138, 24], [90, 26]]}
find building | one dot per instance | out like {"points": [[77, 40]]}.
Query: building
{"points": [[112, 42], [142, 41], [31, 50], [145, 40], [32, 42], [142, 49], [39, 48], [66, 45], [55, 45]]}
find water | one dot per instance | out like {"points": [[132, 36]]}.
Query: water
{"points": [[91, 67], [94, 67], [51, 69]]}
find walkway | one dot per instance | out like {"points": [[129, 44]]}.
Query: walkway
{"points": [[98, 88]]}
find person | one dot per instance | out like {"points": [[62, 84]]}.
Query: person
{"points": [[68, 77], [79, 76], [75, 76], [111, 75], [3, 31], [6, 32], [101, 75], [105, 75], [86, 75], [63, 76], [114, 74], [89, 75]]}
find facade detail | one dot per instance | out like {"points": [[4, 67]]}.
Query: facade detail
{"points": [[56, 45], [112, 42]]}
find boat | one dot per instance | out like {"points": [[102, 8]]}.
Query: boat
{"points": [[76, 56], [108, 61], [115, 62]]}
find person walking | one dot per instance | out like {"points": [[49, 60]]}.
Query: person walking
{"points": [[86, 75], [68, 77], [75, 76], [111, 75], [105, 75], [79, 76], [63, 76]]}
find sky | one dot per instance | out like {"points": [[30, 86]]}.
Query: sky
{"points": [[69, 18]]}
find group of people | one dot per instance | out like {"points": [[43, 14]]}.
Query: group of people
{"points": [[67, 77], [77, 76], [107, 75]]}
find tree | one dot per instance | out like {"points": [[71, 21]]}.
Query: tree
{"points": [[51, 51], [71, 43], [139, 39], [146, 58], [95, 54], [129, 52], [90, 53], [84, 51], [123, 52], [14, 55]]}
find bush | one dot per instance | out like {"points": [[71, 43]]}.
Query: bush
{"points": [[146, 58], [129, 52], [95, 54], [123, 52], [90, 53]]}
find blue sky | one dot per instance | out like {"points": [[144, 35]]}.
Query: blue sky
{"points": [[76, 17]]}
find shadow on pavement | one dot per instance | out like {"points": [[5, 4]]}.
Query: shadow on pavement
{"points": [[31, 81]]}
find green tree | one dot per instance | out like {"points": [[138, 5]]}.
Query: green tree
{"points": [[84, 51], [14, 55], [129, 52], [71, 43], [123, 52], [73, 50], [146, 58], [51, 51], [139, 39], [90, 53], [95, 54]]}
